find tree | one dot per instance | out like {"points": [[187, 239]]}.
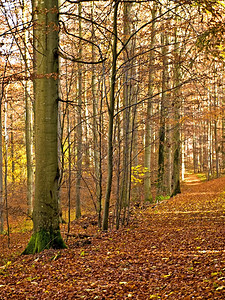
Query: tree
{"points": [[79, 123], [111, 108], [29, 116], [163, 112], [46, 231], [1, 168], [124, 185], [176, 132], [148, 123], [97, 140]]}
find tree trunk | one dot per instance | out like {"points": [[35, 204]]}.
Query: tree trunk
{"points": [[176, 132], [69, 170], [12, 152], [96, 132], [29, 115], [182, 158], [201, 145], [223, 144], [148, 123], [1, 169], [124, 184], [210, 154], [46, 231], [6, 170], [195, 152], [162, 129], [169, 163], [111, 121], [79, 125]]}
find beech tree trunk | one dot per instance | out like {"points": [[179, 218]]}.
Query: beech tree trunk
{"points": [[46, 231]]}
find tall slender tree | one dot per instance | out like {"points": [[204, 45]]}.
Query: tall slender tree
{"points": [[162, 125], [79, 122], [148, 123], [176, 107], [96, 126], [29, 115], [127, 83], [111, 108], [1, 168]]}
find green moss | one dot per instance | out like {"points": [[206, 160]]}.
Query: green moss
{"points": [[202, 176], [162, 198], [44, 240]]}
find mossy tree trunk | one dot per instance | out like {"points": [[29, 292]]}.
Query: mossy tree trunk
{"points": [[46, 231]]}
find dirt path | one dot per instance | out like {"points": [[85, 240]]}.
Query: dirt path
{"points": [[174, 251]]}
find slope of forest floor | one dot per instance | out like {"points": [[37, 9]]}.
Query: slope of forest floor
{"points": [[173, 250]]}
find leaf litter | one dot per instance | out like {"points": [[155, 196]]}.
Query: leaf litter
{"points": [[174, 250]]}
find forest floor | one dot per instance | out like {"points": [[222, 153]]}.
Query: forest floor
{"points": [[174, 250]]}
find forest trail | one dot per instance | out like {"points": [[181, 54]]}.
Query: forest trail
{"points": [[174, 250], [196, 196]]}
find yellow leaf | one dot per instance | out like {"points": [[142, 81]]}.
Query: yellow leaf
{"points": [[219, 288], [154, 296], [166, 275]]}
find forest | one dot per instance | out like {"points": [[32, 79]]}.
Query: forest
{"points": [[112, 133]]}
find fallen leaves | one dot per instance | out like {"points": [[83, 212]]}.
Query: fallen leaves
{"points": [[175, 253]]}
